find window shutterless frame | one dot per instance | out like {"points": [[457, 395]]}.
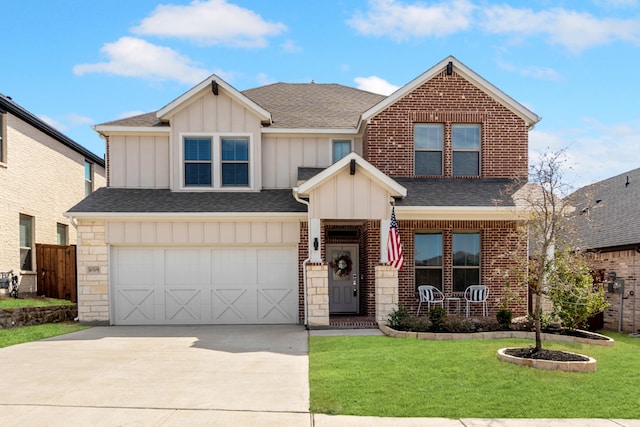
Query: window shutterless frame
{"points": [[466, 247], [465, 142], [340, 148], [428, 145], [428, 250], [26, 243]]}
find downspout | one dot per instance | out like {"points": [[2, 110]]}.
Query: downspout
{"points": [[306, 261], [74, 223]]}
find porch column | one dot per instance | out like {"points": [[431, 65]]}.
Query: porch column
{"points": [[386, 292], [317, 294]]}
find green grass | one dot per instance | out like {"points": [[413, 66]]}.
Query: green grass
{"points": [[6, 302], [382, 376], [33, 333]]}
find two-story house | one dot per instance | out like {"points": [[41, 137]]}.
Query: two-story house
{"points": [[272, 205], [42, 173]]}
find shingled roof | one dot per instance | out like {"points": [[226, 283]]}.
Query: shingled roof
{"points": [[133, 200], [313, 105], [607, 212], [140, 120], [457, 192]]}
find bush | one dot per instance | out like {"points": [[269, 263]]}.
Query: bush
{"points": [[458, 324], [437, 316], [504, 317], [400, 319]]}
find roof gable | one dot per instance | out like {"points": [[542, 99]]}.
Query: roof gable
{"points": [[527, 115], [215, 84], [395, 189]]}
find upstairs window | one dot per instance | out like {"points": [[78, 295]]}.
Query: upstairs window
{"points": [[428, 140], [466, 150], [235, 162], [88, 178], [197, 162], [466, 260], [26, 243], [340, 149]]}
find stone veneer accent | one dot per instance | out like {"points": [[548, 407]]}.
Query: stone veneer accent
{"points": [[386, 292], [317, 294], [93, 284]]}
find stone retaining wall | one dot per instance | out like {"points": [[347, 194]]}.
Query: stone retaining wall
{"points": [[28, 316]]}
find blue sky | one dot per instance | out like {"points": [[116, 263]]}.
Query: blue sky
{"points": [[574, 63]]}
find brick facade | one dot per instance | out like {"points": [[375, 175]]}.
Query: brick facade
{"points": [[388, 141]]}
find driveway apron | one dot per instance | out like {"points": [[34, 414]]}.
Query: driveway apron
{"points": [[157, 371]]}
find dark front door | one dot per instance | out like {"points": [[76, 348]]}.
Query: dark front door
{"points": [[344, 285]]}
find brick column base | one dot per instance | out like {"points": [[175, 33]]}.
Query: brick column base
{"points": [[317, 294], [386, 292]]}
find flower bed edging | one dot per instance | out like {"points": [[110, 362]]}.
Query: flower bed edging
{"points": [[436, 336], [550, 365], [29, 316]]}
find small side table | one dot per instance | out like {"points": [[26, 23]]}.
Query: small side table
{"points": [[457, 301]]}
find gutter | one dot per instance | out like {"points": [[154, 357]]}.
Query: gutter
{"points": [[306, 261]]}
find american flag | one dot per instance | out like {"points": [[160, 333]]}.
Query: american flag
{"points": [[394, 246]]}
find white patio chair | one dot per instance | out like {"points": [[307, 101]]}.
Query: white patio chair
{"points": [[430, 295], [477, 294]]}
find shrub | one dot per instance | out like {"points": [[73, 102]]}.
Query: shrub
{"points": [[504, 317], [458, 324], [400, 319], [437, 316]]}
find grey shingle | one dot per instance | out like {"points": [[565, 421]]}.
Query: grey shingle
{"points": [[457, 192], [607, 212], [141, 120], [114, 200]]}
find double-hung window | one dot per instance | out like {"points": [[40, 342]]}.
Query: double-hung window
{"points": [[428, 142], [340, 149], [428, 259], [197, 162], [465, 141], [466, 260], [235, 162], [26, 243], [62, 232]]}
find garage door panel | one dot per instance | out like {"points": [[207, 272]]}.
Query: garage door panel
{"points": [[204, 285]]}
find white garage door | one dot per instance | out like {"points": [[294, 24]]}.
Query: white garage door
{"points": [[167, 286]]}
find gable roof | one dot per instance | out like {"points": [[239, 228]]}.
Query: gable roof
{"points": [[8, 105], [527, 115], [313, 105], [220, 84], [607, 212], [395, 189]]}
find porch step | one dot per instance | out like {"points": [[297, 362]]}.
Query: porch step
{"points": [[352, 322]]}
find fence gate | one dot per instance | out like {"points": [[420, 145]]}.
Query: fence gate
{"points": [[57, 271]]}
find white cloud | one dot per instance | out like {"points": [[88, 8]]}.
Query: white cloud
{"points": [[539, 73], [575, 31], [376, 85], [593, 153], [263, 79], [78, 120], [53, 123], [289, 46], [210, 22], [133, 57], [401, 21], [126, 114]]}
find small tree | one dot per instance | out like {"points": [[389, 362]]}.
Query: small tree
{"points": [[571, 289]]}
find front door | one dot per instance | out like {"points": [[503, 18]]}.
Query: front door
{"points": [[344, 278]]}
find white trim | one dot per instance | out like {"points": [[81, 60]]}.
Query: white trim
{"points": [[168, 216], [168, 109], [527, 115], [367, 168], [132, 129], [460, 213], [216, 161]]}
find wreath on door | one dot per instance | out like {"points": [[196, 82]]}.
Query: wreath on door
{"points": [[342, 265]]}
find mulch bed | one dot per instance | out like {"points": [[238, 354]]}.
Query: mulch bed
{"points": [[544, 354]]}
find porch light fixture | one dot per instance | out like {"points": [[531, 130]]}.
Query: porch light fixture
{"points": [[449, 68], [214, 87], [352, 167], [316, 244]]}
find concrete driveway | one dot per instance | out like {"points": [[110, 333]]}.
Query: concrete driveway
{"points": [[168, 376]]}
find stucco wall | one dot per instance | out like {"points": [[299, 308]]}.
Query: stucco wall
{"points": [[41, 178]]}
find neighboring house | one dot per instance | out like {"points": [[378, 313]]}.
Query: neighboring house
{"points": [[608, 227], [42, 173], [273, 205]]}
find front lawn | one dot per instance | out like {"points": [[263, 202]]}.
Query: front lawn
{"points": [[391, 377], [8, 302], [24, 334]]}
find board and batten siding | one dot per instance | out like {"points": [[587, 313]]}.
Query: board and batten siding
{"points": [[201, 232], [139, 161], [346, 196], [211, 114], [282, 155]]}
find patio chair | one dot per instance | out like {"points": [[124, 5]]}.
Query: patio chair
{"points": [[430, 295], [477, 294]]}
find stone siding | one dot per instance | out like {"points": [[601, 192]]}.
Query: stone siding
{"points": [[317, 294], [93, 273], [29, 316], [386, 292]]}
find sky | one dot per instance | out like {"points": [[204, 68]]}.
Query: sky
{"points": [[78, 63]]}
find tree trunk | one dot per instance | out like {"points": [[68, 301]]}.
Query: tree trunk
{"points": [[537, 321]]}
